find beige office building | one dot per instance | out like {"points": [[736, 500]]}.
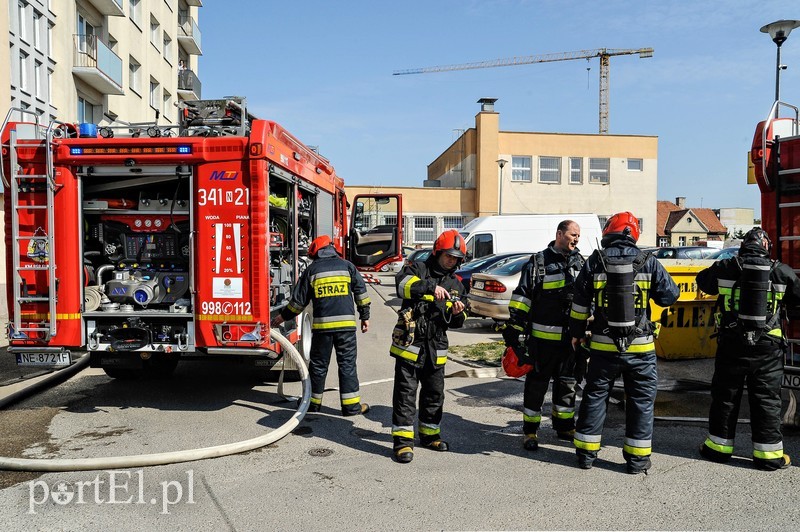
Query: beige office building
{"points": [[98, 61], [487, 171]]}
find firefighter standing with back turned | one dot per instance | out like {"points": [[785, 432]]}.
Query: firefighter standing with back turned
{"points": [[332, 283], [619, 279], [431, 304], [753, 291], [539, 309]]}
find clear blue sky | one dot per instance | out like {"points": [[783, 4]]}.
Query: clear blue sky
{"points": [[323, 69]]}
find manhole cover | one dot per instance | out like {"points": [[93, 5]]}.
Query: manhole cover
{"points": [[320, 451], [302, 431]]}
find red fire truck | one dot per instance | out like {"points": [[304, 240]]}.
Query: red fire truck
{"points": [[775, 157], [143, 244]]}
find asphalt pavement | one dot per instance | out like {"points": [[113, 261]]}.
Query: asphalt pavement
{"points": [[336, 473]]}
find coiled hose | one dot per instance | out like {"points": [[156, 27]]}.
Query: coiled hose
{"points": [[174, 457]]}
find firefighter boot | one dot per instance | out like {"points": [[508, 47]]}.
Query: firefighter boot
{"points": [[361, 411], [784, 462], [435, 443], [530, 442], [565, 435], [404, 454]]}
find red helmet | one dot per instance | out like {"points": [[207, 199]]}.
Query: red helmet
{"points": [[623, 223], [452, 243], [318, 243], [511, 364]]}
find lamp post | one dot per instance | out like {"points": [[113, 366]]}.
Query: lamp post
{"points": [[501, 163], [779, 31]]}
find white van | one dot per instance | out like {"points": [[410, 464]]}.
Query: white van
{"points": [[504, 233]]}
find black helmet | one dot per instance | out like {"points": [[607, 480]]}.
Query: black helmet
{"points": [[757, 241]]}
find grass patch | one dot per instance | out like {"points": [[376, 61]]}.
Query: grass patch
{"points": [[487, 353]]}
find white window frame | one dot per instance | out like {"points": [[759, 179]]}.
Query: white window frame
{"points": [[23, 70], [167, 47], [635, 165], [576, 174], [83, 103], [663, 241], [547, 174], [424, 229], [135, 12], [521, 168], [37, 32], [50, 86], [155, 96], [167, 99], [134, 75], [38, 89], [155, 36], [681, 240], [22, 26], [599, 175], [452, 222]]}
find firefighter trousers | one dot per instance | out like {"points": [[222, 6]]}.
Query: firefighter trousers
{"points": [[344, 343], [556, 361], [640, 379], [760, 367], [430, 380]]}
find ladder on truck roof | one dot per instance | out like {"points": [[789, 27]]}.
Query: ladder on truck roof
{"points": [[41, 244]]}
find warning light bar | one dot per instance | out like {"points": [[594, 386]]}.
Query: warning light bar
{"points": [[125, 150]]}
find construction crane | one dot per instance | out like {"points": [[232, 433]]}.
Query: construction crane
{"points": [[603, 53]]}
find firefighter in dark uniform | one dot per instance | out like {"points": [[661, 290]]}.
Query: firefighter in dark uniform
{"points": [[332, 283], [539, 309], [431, 305], [616, 284], [752, 291]]}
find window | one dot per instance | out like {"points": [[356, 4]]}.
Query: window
{"points": [[49, 38], [424, 229], [49, 85], [168, 103], [453, 222], [635, 165], [37, 79], [136, 12], [520, 168], [86, 31], [37, 33], [21, 22], [484, 245], [663, 241], [603, 220], [389, 219], [641, 225], [86, 110], [550, 170], [598, 170], [167, 48], [576, 170], [155, 38], [681, 240], [155, 98], [695, 239], [134, 82], [23, 70]]}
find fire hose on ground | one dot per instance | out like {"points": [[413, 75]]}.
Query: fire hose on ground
{"points": [[174, 457]]}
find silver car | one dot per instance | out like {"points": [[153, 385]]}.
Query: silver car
{"points": [[491, 289]]}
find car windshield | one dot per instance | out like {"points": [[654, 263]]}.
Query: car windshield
{"points": [[508, 268]]}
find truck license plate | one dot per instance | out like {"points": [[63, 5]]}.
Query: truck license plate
{"points": [[791, 381], [55, 360]]}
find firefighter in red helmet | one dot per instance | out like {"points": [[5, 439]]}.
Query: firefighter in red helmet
{"points": [[616, 284], [753, 290], [333, 284], [432, 304]]}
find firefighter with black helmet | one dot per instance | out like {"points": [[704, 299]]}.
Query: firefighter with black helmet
{"points": [[333, 284], [431, 305], [539, 310], [752, 290], [615, 286]]}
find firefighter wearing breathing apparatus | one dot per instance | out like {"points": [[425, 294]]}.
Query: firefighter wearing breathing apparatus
{"points": [[431, 305], [539, 309], [332, 283], [618, 281], [753, 292]]}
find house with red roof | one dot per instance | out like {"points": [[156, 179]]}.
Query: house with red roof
{"points": [[678, 225]]}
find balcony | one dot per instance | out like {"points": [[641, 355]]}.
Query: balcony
{"points": [[189, 34], [97, 65], [112, 8], [188, 85]]}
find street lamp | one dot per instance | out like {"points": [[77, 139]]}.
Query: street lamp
{"points": [[779, 31], [501, 163]]}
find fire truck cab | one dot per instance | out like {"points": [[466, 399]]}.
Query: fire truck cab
{"points": [[775, 158], [143, 244]]}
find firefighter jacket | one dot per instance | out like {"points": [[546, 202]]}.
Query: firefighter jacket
{"points": [[544, 294], [332, 283], [429, 320], [723, 278], [653, 282]]}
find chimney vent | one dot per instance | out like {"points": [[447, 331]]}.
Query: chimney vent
{"points": [[487, 104]]}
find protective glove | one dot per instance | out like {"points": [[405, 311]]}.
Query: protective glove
{"points": [[510, 336]]}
